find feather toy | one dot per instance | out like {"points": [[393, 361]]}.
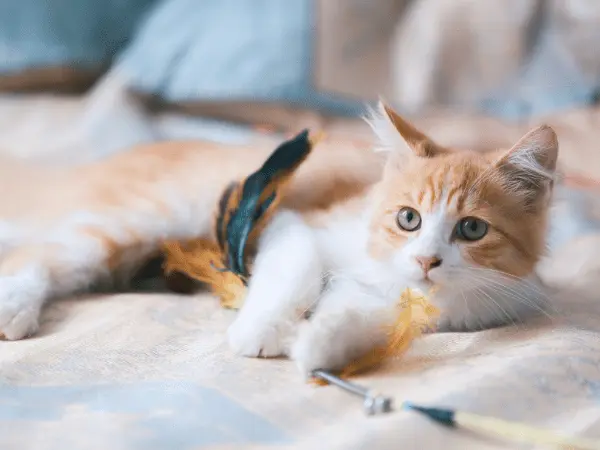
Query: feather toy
{"points": [[243, 211], [224, 264], [415, 315]]}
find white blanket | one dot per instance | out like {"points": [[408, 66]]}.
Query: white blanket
{"points": [[154, 371]]}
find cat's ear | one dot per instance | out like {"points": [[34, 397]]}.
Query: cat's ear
{"points": [[396, 135], [529, 167]]}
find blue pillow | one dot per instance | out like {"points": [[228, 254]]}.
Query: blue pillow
{"points": [[229, 50], [75, 33]]}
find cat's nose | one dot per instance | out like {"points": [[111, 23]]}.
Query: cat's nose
{"points": [[428, 262]]}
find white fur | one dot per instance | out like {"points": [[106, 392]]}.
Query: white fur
{"points": [[433, 240], [350, 319], [21, 298], [388, 138], [292, 262], [286, 282]]}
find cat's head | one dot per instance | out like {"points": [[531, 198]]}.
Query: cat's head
{"points": [[442, 215]]}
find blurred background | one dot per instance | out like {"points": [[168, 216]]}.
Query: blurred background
{"points": [[80, 79]]}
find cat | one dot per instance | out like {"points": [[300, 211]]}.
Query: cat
{"points": [[355, 230], [472, 224]]}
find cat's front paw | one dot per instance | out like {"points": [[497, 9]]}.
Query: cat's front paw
{"points": [[18, 318], [318, 346], [21, 299], [254, 336]]}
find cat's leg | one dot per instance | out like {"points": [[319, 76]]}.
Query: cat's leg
{"points": [[285, 283], [31, 274], [67, 259], [24, 286], [349, 321]]}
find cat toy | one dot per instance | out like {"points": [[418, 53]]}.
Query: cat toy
{"points": [[243, 210], [501, 428], [224, 264]]}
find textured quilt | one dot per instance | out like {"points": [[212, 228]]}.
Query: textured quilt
{"points": [[142, 371]]}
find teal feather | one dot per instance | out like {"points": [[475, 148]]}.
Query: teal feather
{"points": [[235, 222]]}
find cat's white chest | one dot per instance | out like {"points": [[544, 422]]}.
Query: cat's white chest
{"points": [[343, 247]]}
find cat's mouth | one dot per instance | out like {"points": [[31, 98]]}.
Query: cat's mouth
{"points": [[424, 284]]}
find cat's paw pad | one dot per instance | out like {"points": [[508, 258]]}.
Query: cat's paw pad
{"points": [[255, 337], [17, 320]]}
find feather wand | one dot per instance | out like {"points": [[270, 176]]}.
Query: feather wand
{"points": [[373, 402], [502, 428]]}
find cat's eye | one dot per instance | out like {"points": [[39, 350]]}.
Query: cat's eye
{"points": [[409, 219], [471, 229]]}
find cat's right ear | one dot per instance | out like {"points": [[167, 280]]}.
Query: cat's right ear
{"points": [[528, 169], [396, 135]]}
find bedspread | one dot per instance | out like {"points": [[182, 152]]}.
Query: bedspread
{"points": [[153, 371]]}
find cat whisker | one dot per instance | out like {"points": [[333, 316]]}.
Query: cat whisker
{"points": [[325, 276], [516, 295], [506, 314], [528, 287], [510, 276], [487, 275], [484, 303], [521, 297], [469, 310], [499, 318]]}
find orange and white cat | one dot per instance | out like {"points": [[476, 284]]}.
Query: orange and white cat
{"points": [[351, 238], [472, 224]]}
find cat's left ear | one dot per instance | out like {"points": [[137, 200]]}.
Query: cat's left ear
{"points": [[398, 136], [529, 167]]}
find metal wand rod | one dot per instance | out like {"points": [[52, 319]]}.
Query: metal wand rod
{"points": [[373, 402]]}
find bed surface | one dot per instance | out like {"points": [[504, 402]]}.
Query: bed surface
{"points": [[141, 371]]}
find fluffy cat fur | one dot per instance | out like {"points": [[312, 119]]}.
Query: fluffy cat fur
{"points": [[337, 251], [348, 265]]}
